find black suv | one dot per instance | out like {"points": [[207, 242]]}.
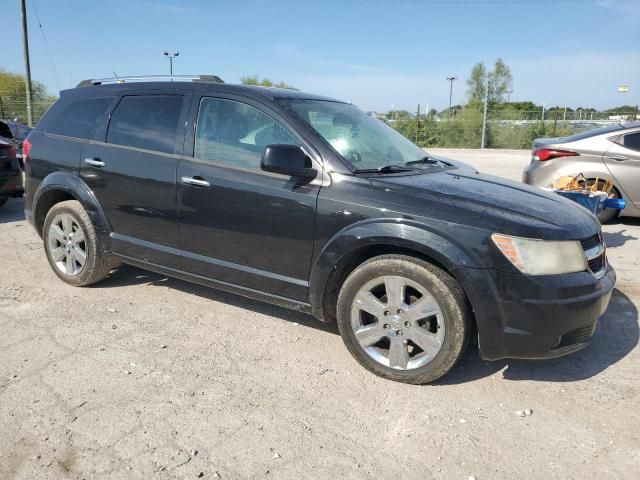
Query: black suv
{"points": [[309, 203]]}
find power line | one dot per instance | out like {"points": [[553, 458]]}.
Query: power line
{"points": [[46, 44]]}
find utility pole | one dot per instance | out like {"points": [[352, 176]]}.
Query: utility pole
{"points": [[418, 124], [543, 107], [171, 56], [451, 80], [484, 116], [27, 65]]}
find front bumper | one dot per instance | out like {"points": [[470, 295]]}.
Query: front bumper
{"points": [[533, 317]]}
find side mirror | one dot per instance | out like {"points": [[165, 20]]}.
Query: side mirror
{"points": [[287, 160]]}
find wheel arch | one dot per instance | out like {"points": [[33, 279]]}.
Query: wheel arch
{"points": [[61, 186], [357, 244]]}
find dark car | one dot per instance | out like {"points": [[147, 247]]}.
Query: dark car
{"points": [[11, 183], [309, 203], [14, 132]]}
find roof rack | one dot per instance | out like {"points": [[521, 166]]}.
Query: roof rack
{"points": [[152, 78]]}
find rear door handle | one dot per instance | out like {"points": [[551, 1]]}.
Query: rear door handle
{"points": [[195, 181], [95, 162], [618, 158]]}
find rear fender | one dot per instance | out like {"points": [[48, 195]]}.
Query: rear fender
{"points": [[69, 183]]}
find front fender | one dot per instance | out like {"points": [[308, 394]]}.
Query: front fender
{"points": [[384, 232], [70, 184]]}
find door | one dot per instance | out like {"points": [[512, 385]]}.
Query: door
{"points": [[623, 161], [132, 172], [239, 224]]}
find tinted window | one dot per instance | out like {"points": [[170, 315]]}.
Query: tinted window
{"points": [[592, 133], [236, 133], [632, 141], [81, 118], [148, 122]]}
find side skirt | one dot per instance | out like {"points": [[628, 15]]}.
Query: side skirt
{"points": [[218, 284]]}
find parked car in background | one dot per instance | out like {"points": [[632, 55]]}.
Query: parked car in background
{"points": [[11, 177], [309, 203], [15, 133], [608, 153]]}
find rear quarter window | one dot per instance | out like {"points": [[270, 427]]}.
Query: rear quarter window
{"points": [[80, 118]]}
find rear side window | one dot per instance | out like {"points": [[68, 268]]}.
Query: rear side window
{"points": [[80, 119], [632, 141], [148, 122]]}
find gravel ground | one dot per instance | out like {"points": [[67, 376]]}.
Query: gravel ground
{"points": [[144, 376]]}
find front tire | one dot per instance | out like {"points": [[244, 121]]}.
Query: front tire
{"points": [[72, 245], [403, 319]]}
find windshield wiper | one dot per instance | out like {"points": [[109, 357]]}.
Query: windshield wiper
{"points": [[385, 169], [429, 160]]}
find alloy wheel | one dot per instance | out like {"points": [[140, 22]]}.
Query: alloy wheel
{"points": [[67, 244]]}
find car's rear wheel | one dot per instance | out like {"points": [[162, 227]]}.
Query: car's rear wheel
{"points": [[72, 245], [403, 319], [608, 214]]}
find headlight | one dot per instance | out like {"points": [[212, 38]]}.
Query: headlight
{"points": [[541, 257]]}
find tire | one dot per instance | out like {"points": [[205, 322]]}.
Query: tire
{"points": [[67, 233], [427, 333], [3, 200]]}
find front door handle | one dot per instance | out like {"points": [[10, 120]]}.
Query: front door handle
{"points": [[195, 181], [618, 158], [95, 162]]}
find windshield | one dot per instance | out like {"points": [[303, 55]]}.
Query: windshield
{"points": [[365, 142]]}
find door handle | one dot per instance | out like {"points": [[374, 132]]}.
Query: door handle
{"points": [[195, 181], [95, 162], [618, 158]]}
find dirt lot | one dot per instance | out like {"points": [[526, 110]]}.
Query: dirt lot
{"points": [[148, 377]]}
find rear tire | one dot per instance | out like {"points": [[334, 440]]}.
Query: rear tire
{"points": [[73, 247], [608, 214], [415, 335]]}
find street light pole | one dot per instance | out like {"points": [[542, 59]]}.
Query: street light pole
{"points": [[171, 56], [27, 64], [451, 80]]}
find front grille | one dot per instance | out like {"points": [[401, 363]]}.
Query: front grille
{"points": [[595, 253]]}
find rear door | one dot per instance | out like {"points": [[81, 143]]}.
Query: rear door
{"points": [[131, 169], [623, 161], [239, 224]]}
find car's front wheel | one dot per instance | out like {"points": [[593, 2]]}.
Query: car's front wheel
{"points": [[72, 245], [403, 319]]}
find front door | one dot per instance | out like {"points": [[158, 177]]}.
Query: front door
{"points": [[239, 224], [623, 161], [132, 172]]}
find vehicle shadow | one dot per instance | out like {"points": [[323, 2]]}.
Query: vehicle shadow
{"points": [[12, 211], [616, 335], [617, 239], [128, 275]]}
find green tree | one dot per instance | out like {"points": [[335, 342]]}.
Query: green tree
{"points": [[13, 97], [265, 82], [500, 82]]}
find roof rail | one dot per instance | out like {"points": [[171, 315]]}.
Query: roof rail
{"points": [[151, 78]]}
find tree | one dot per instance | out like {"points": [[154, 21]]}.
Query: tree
{"points": [[13, 97], [500, 82], [265, 82]]}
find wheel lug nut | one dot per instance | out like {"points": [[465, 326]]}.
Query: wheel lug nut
{"points": [[386, 326], [407, 324], [386, 313], [399, 333], [400, 312]]}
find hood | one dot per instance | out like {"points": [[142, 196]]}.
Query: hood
{"points": [[490, 203]]}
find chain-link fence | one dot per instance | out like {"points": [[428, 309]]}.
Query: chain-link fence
{"points": [[504, 128], [11, 108]]}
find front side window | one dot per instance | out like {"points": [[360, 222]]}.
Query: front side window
{"points": [[149, 122], [81, 118], [235, 133], [363, 141]]}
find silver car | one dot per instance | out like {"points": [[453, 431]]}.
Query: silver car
{"points": [[608, 153]]}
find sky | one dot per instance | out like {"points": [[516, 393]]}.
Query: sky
{"points": [[375, 53]]}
